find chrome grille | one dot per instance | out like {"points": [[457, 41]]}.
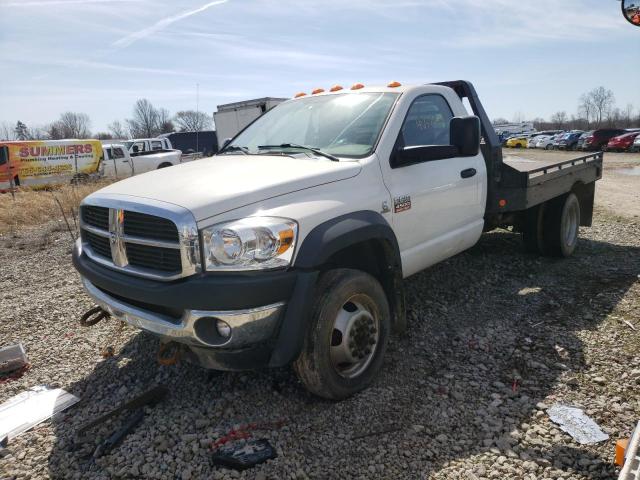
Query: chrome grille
{"points": [[96, 216], [139, 242]]}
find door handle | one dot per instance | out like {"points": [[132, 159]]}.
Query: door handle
{"points": [[468, 173]]}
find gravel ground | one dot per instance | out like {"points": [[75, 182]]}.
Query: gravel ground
{"points": [[495, 337]]}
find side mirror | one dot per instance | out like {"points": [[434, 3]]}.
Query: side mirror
{"points": [[226, 142], [4, 155], [464, 133]]}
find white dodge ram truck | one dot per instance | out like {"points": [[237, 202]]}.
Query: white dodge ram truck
{"points": [[292, 244]]}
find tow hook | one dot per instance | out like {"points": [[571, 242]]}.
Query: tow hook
{"points": [[93, 316], [169, 353]]}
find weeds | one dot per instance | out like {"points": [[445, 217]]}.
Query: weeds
{"points": [[37, 207]]}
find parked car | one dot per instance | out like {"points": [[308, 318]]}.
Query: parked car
{"points": [[569, 140], [535, 137], [581, 139], [140, 146], [599, 138], [622, 142], [119, 163], [546, 141], [225, 257], [518, 141]]}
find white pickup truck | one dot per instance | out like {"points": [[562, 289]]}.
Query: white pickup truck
{"points": [[293, 243], [118, 163]]}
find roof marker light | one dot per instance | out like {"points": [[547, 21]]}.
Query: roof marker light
{"points": [[357, 86], [335, 88], [394, 84], [317, 90], [299, 94]]}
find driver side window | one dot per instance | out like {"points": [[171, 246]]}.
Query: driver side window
{"points": [[427, 122]]}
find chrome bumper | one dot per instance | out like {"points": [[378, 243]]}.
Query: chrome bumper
{"points": [[248, 327]]}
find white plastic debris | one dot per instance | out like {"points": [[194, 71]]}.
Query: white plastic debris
{"points": [[631, 468], [574, 421], [27, 409]]}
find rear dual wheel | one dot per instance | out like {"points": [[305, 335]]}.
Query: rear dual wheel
{"points": [[552, 227], [346, 341]]}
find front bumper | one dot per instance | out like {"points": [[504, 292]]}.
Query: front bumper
{"points": [[267, 311]]}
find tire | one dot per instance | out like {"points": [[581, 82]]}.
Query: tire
{"points": [[561, 225], [349, 305], [518, 145], [164, 165], [548, 147]]}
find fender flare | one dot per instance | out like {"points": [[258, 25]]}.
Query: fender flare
{"points": [[341, 232]]}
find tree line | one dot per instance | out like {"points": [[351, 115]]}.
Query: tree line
{"points": [[146, 121], [596, 109]]}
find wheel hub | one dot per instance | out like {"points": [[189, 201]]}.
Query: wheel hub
{"points": [[354, 339]]}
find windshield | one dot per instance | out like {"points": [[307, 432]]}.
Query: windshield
{"points": [[347, 125]]}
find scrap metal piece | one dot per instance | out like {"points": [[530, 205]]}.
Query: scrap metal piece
{"points": [[117, 436], [150, 397], [574, 421], [248, 455], [12, 357]]}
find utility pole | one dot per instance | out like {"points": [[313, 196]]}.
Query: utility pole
{"points": [[197, 115]]}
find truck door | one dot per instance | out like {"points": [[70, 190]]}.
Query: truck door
{"points": [[118, 164], [437, 205], [4, 166]]}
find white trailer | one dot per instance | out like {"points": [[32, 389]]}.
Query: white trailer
{"points": [[233, 117]]}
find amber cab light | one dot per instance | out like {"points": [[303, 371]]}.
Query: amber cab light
{"points": [[335, 88], [394, 84], [300, 94], [357, 86], [317, 90]]}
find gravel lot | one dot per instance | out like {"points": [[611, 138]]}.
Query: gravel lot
{"points": [[495, 337]]}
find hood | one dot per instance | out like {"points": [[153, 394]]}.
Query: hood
{"points": [[218, 184]]}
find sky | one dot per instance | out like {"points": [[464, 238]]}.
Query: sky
{"points": [[527, 58]]}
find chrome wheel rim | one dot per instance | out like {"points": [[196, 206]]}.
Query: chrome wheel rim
{"points": [[570, 225], [354, 337]]}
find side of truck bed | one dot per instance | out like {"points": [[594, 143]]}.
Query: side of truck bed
{"points": [[516, 185]]}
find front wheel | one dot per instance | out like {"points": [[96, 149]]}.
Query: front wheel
{"points": [[164, 165], [345, 344]]}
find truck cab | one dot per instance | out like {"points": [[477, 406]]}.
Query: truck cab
{"points": [[292, 244]]}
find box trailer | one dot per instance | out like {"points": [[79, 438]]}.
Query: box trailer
{"points": [[233, 117]]}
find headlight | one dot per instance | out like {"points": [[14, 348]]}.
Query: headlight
{"points": [[254, 243]]}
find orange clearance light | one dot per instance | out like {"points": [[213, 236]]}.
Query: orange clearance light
{"points": [[502, 202], [357, 86], [394, 84], [317, 90], [335, 88], [300, 94]]}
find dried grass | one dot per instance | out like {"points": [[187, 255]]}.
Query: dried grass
{"points": [[30, 207]]}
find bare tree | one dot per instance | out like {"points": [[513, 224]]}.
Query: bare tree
{"points": [[117, 130], [586, 107], [165, 125], [37, 133], [192, 121], [55, 131], [145, 120], [7, 131], [597, 104], [627, 115], [71, 125], [103, 136], [559, 119]]}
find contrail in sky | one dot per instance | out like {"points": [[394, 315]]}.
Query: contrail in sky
{"points": [[161, 24]]}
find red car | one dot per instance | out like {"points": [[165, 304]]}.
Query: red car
{"points": [[622, 142]]}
